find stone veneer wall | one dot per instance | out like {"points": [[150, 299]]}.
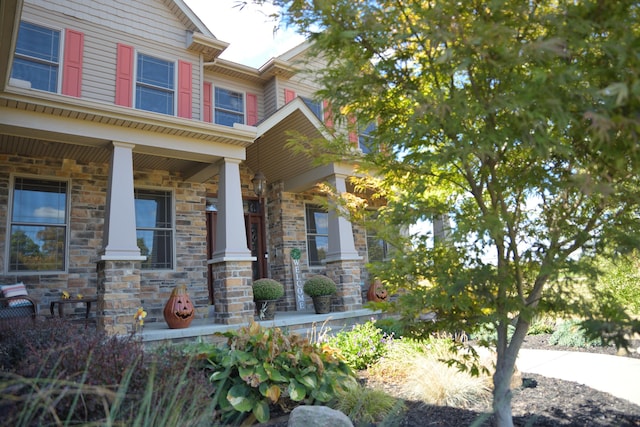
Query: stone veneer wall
{"points": [[118, 295], [346, 274], [233, 295]]}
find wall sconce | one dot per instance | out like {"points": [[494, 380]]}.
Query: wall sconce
{"points": [[259, 183]]}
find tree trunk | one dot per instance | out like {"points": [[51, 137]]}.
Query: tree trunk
{"points": [[507, 352]]}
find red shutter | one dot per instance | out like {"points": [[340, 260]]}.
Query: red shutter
{"points": [[289, 96], [353, 130], [184, 89], [207, 114], [124, 75], [328, 119], [72, 67], [252, 109]]}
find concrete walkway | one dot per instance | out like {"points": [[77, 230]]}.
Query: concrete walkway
{"points": [[616, 375]]}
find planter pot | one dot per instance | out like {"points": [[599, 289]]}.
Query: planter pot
{"points": [[322, 303], [266, 309]]}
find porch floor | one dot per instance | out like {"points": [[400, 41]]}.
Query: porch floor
{"points": [[302, 322]]}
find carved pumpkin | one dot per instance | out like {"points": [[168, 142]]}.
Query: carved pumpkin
{"points": [[179, 311], [377, 292]]}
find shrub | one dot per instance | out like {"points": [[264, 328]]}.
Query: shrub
{"points": [[319, 285], [261, 369], [361, 346], [571, 334], [390, 326], [267, 289], [368, 406], [541, 326], [620, 280]]}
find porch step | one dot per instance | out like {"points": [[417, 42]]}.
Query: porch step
{"points": [[305, 323]]}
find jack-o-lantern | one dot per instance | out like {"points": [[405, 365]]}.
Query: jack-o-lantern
{"points": [[179, 311], [377, 292]]}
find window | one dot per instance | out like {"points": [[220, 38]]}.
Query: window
{"points": [[365, 138], [155, 82], [229, 107], [317, 234], [38, 225], [377, 249], [37, 58], [314, 106], [154, 228]]}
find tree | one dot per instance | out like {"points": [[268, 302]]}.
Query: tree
{"points": [[519, 119]]}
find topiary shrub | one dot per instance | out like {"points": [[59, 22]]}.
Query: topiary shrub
{"points": [[261, 370], [319, 285], [267, 289]]}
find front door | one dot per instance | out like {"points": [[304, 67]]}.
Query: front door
{"points": [[255, 229]]}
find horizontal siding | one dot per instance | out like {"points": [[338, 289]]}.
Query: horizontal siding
{"points": [[270, 98], [100, 48]]}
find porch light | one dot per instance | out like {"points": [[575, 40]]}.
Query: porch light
{"points": [[259, 183]]}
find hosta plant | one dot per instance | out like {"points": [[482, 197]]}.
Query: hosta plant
{"points": [[261, 369]]}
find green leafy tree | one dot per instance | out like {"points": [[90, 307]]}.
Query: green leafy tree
{"points": [[520, 120]]}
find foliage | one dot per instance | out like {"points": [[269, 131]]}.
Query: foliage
{"points": [[516, 119], [260, 369], [390, 326], [420, 372], [367, 406], [61, 373], [319, 285], [541, 325], [619, 279], [362, 345], [267, 289], [571, 334]]}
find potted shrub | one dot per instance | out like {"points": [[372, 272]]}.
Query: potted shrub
{"points": [[265, 294], [320, 289]]}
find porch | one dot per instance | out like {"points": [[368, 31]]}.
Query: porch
{"points": [[305, 323]]}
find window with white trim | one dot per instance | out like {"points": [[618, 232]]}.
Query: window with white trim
{"points": [[154, 228], [155, 84], [317, 220], [38, 225], [37, 57], [228, 107]]}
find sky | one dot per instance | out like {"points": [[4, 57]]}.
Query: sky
{"points": [[249, 31]]}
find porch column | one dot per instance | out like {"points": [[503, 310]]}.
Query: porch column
{"points": [[232, 258], [344, 264], [119, 266]]}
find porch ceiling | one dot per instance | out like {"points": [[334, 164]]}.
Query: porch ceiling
{"points": [[276, 160]]}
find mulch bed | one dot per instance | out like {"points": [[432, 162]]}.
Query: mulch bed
{"points": [[541, 401]]}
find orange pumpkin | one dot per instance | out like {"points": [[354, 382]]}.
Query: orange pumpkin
{"points": [[377, 292], [179, 311]]}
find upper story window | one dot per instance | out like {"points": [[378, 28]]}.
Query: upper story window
{"points": [[155, 83], [315, 106], [38, 226], [317, 234], [229, 107], [37, 58], [365, 137], [154, 228]]}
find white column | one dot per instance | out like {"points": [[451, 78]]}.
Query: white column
{"points": [[341, 244], [120, 213], [231, 238]]}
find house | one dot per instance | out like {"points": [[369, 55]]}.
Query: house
{"points": [[127, 154]]}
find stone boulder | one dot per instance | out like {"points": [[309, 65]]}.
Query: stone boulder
{"points": [[317, 416]]}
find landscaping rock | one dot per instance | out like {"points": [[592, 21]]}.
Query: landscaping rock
{"points": [[318, 416]]}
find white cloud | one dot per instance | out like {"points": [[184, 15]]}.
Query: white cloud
{"points": [[250, 31]]}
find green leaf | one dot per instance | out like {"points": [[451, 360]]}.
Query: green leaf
{"points": [[219, 375], [309, 381], [261, 411], [239, 397], [297, 392], [273, 373]]}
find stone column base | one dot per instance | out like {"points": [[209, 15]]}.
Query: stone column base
{"points": [[118, 295], [232, 292], [346, 274]]}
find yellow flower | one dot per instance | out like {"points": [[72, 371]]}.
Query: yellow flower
{"points": [[79, 296], [140, 315], [65, 295]]}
